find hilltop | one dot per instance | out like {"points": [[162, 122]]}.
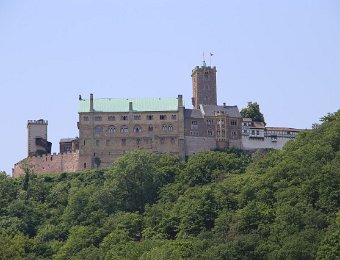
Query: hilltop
{"points": [[217, 205]]}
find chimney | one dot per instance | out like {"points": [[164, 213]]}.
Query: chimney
{"points": [[180, 100], [130, 107], [91, 103]]}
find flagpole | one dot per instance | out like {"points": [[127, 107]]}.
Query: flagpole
{"points": [[211, 54]]}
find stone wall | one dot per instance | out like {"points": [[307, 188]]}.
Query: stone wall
{"points": [[55, 163], [249, 143], [195, 144]]}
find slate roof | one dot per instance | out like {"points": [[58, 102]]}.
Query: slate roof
{"points": [[67, 140], [283, 129], [122, 104], [193, 113], [209, 110], [258, 125]]}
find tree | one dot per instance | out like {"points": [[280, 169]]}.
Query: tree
{"points": [[205, 167], [137, 177], [328, 118], [253, 112]]}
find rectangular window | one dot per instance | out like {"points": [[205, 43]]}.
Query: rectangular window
{"points": [[124, 118], [162, 117], [149, 117], [97, 118], [173, 117], [123, 141], [210, 121], [111, 118], [233, 122], [194, 133], [97, 142], [194, 124], [136, 117], [99, 129], [86, 118], [257, 132], [67, 148]]}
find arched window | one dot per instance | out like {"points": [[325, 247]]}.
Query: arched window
{"points": [[150, 128], [170, 128], [124, 129], [111, 129], [137, 129], [164, 127]]}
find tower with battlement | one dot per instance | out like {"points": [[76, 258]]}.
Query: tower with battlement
{"points": [[37, 137], [204, 86]]}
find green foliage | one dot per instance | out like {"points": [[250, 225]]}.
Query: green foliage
{"points": [[138, 177], [97, 161], [13, 246], [217, 205], [196, 211], [253, 111], [205, 167]]}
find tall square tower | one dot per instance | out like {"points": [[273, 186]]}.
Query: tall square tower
{"points": [[204, 86], [37, 137]]}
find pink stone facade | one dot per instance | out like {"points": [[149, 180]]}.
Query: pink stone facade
{"points": [[53, 163]]}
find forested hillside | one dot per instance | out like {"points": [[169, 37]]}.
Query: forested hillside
{"points": [[217, 205]]}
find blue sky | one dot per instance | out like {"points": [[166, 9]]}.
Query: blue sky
{"points": [[282, 54]]}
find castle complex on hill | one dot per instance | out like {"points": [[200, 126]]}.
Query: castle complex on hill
{"points": [[110, 127]]}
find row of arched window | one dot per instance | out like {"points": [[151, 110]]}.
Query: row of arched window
{"points": [[136, 129]]}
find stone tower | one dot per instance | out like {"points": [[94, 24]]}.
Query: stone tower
{"points": [[37, 137], [204, 86]]}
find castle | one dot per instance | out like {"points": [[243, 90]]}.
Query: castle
{"points": [[110, 127]]}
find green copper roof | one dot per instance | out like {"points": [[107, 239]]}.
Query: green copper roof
{"points": [[122, 105]]}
